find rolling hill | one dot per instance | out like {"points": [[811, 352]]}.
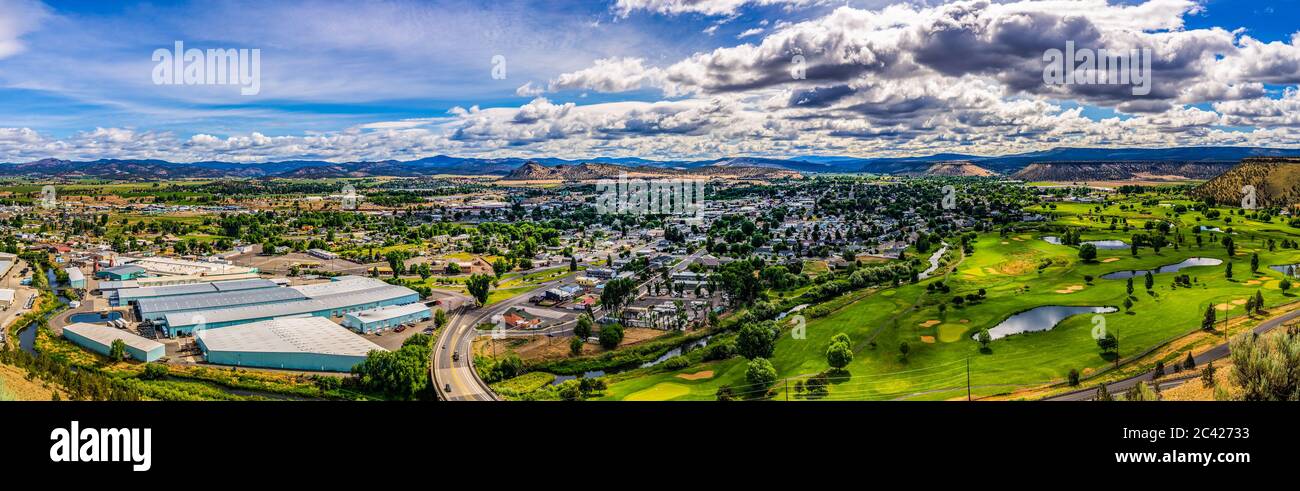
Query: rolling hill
{"points": [[1276, 182], [1121, 171]]}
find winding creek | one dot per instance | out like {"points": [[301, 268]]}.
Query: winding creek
{"points": [[934, 261]]}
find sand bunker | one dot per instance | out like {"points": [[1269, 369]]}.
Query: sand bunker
{"points": [[1239, 301], [964, 321], [929, 323], [1253, 282], [1110, 260], [1005, 243], [707, 374], [927, 339], [1070, 289]]}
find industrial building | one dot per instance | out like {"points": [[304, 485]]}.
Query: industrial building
{"points": [[7, 297], [120, 273], [298, 343], [171, 266], [155, 309], [387, 317], [76, 279], [156, 281], [99, 338], [344, 295], [130, 296]]}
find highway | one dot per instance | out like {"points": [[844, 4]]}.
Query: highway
{"points": [[1216, 353]]}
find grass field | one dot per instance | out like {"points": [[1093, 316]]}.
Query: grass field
{"points": [[1008, 268]]}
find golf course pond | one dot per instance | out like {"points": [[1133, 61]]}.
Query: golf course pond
{"points": [[1040, 319], [1286, 269], [1168, 268], [1112, 244]]}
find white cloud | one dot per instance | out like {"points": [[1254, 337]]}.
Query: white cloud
{"points": [[17, 18]]}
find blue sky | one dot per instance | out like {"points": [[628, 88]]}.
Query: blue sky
{"points": [[651, 78]]}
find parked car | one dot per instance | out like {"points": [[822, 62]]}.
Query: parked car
{"points": [[400, 328], [446, 388], [428, 330]]}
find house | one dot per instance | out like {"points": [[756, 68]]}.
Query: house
{"points": [[520, 319], [76, 279]]}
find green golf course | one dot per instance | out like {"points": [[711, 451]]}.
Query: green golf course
{"points": [[1018, 272]]}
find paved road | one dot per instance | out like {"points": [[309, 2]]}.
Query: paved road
{"points": [[458, 337], [1213, 354]]}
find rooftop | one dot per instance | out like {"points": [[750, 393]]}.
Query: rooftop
{"points": [[292, 335], [105, 335], [390, 312]]}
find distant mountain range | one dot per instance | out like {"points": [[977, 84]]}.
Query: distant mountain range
{"points": [[124, 169], [533, 171]]}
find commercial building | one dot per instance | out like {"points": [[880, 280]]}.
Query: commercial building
{"points": [[172, 280], [348, 294], [300, 343], [128, 296], [75, 278], [386, 317], [99, 338], [120, 273], [6, 297], [170, 266], [156, 308]]}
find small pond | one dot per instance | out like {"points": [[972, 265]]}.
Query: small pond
{"points": [[1168, 268], [1286, 269], [561, 378], [1112, 244], [1040, 319]]}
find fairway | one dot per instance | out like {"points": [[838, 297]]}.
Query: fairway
{"points": [[660, 392]]}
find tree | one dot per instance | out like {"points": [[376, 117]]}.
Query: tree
{"points": [[1150, 281], [1259, 301], [904, 349], [1285, 285], [840, 352], [575, 345], [1267, 369], [617, 294], [583, 328], [1228, 271], [756, 340], [984, 339], [1103, 394], [1159, 370], [1254, 262], [397, 262], [1207, 322], [1073, 377], [117, 351], [611, 335], [154, 371], [1130, 286], [1230, 245], [1108, 343], [760, 374], [1088, 252], [573, 263], [500, 267], [1207, 375], [1189, 363], [479, 286], [452, 269], [1128, 304], [439, 318]]}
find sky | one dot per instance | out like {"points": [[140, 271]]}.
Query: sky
{"points": [[656, 79]]}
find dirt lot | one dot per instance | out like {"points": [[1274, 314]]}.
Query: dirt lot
{"points": [[540, 347], [281, 264]]}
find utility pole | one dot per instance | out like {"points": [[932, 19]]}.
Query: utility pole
{"points": [[968, 379], [787, 390]]}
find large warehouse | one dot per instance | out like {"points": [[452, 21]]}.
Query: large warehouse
{"points": [[130, 296], [387, 317], [296, 343], [340, 297], [99, 338]]}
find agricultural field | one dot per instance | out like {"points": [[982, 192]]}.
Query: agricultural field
{"points": [[1017, 272]]}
